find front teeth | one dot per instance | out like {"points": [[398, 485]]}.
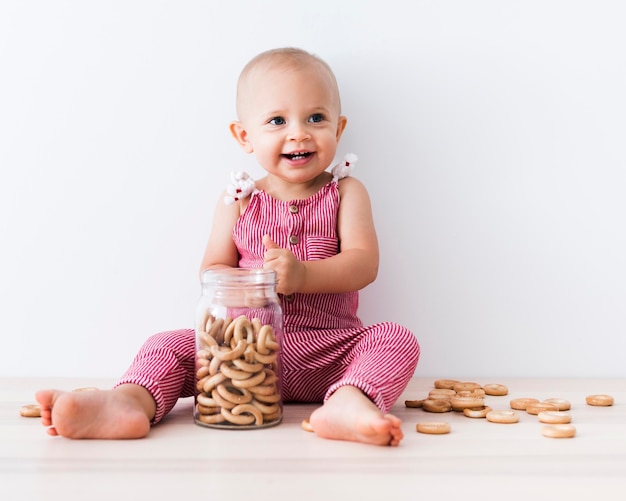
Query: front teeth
{"points": [[297, 156]]}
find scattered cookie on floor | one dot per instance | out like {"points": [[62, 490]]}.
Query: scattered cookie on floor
{"points": [[30, 410], [521, 404], [413, 404], [477, 412], [600, 400], [554, 417], [306, 425], [433, 427], [467, 396], [430, 405], [502, 416], [559, 431], [497, 390], [561, 403]]}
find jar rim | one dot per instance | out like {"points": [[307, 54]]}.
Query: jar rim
{"points": [[238, 276]]}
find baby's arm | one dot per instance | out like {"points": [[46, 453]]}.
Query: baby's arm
{"points": [[354, 267], [220, 250]]}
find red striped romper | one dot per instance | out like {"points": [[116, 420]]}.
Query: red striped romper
{"points": [[325, 345]]}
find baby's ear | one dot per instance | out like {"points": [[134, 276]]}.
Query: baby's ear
{"points": [[241, 136], [341, 125]]}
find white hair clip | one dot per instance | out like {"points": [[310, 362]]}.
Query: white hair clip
{"points": [[344, 168], [241, 185]]}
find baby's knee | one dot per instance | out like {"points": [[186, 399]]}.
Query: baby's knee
{"points": [[406, 341], [175, 341]]}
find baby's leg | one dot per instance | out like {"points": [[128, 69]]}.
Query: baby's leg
{"points": [[124, 412], [379, 358], [350, 415]]}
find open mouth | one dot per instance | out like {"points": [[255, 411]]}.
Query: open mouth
{"points": [[300, 155]]}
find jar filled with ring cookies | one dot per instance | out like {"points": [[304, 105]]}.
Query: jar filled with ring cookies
{"points": [[239, 327]]}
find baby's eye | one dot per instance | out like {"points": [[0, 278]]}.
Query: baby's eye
{"points": [[277, 121], [316, 118]]}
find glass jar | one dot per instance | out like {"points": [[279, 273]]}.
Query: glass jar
{"points": [[239, 327]]}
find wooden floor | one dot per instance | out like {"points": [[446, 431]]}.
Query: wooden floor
{"points": [[478, 460]]}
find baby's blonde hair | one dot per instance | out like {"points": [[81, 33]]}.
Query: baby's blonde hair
{"points": [[285, 57]]}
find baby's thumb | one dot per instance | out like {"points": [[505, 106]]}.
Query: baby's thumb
{"points": [[269, 243]]}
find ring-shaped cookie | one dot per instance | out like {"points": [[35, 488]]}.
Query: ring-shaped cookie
{"points": [[265, 408], [211, 418], [253, 380], [238, 396], [270, 376], [430, 405], [221, 401], [477, 412], [232, 373], [554, 417], [205, 400], [503, 417], [219, 336], [441, 394], [272, 398], [447, 384], [559, 431], [214, 327], [263, 389], [229, 331], [200, 382], [243, 330], [214, 366], [433, 427], [212, 381], [465, 386], [265, 359], [266, 341], [224, 353], [202, 372], [496, 390], [252, 368], [206, 341], [249, 409], [203, 356], [256, 325], [273, 417], [203, 409], [202, 362], [413, 404], [538, 407], [475, 393], [242, 419], [561, 403], [272, 344], [520, 404], [460, 403], [600, 400], [262, 337], [30, 410], [248, 354]]}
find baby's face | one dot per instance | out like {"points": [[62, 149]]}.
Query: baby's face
{"points": [[290, 119]]}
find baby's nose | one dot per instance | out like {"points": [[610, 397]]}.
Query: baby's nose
{"points": [[298, 132]]}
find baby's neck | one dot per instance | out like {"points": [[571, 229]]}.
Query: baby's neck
{"points": [[284, 190]]}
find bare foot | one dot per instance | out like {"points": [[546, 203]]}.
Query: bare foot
{"points": [[123, 412], [349, 415]]}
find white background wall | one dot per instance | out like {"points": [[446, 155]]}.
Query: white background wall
{"points": [[491, 135]]}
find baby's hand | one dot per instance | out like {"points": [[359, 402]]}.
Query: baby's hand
{"points": [[289, 271]]}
